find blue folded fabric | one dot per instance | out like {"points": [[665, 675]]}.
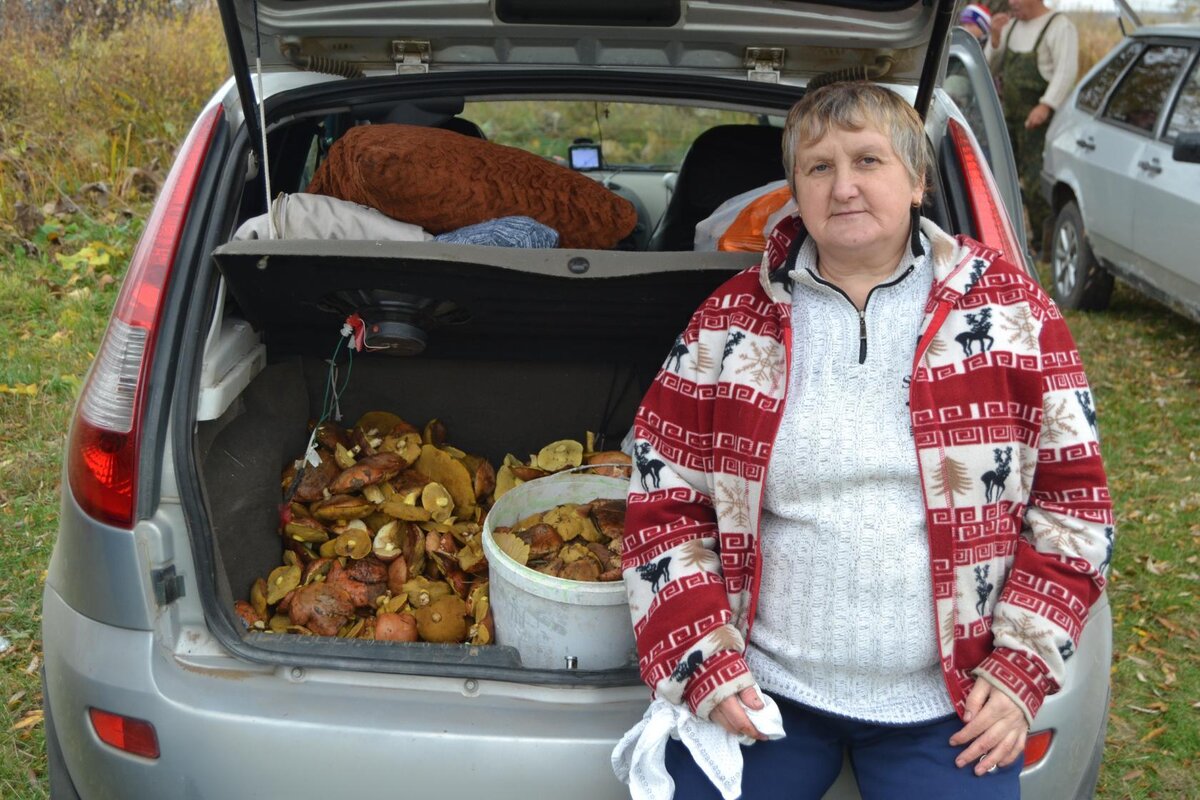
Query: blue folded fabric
{"points": [[503, 232]]}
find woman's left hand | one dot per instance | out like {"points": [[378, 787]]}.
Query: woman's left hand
{"points": [[995, 728]]}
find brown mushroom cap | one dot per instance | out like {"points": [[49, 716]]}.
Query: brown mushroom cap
{"points": [[396, 627], [397, 576], [322, 608], [437, 501], [342, 506], [305, 529], [543, 540], [583, 569], [251, 619], [381, 422], [387, 544], [558, 455], [258, 597], [281, 581], [444, 620], [354, 543]]}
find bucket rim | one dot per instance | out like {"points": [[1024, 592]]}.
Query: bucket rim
{"points": [[547, 586]]}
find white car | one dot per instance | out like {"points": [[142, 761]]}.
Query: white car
{"points": [[1122, 172], [217, 355]]}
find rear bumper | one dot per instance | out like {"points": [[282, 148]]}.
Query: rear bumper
{"points": [[229, 729]]}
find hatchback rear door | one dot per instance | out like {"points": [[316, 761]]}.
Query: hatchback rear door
{"points": [[969, 84], [785, 36]]}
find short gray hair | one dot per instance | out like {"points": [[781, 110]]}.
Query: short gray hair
{"points": [[852, 106]]}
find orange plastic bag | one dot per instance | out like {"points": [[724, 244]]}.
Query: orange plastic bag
{"points": [[748, 231]]}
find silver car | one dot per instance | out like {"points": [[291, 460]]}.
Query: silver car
{"points": [[216, 358], [1122, 172]]}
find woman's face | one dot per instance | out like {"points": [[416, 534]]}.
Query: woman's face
{"points": [[854, 194]]}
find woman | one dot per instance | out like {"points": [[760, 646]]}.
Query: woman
{"points": [[873, 486]]}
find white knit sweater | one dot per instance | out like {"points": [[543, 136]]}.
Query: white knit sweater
{"points": [[845, 617]]}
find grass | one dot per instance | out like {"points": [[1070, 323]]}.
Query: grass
{"points": [[86, 130], [1144, 365]]}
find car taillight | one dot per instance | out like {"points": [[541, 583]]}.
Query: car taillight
{"points": [[987, 209], [1036, 746], [125, 733], [103, 449]]}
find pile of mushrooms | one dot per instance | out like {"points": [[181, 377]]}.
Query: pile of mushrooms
{"points": [[381, 531], [381, 527]]}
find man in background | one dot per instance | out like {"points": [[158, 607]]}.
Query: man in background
{"points": [[1034, 54], [977, 21]]}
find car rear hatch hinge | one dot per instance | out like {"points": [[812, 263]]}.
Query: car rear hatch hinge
{"points": [[168, 587], [410, 55], [764, 63]]}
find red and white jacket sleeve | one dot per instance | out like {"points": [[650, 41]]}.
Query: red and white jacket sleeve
{"points": [[689, 647], [1062, 557]]}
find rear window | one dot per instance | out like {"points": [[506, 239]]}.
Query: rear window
{"points": [[1091, 96], [629, 135]]}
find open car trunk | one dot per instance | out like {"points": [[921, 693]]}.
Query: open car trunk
{"points": [[520, 348], [509, 348]]}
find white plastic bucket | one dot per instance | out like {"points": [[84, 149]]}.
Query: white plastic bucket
{"points": [[552, 622]]}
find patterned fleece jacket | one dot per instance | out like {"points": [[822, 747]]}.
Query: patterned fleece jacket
{"points": [[1017, 505]]}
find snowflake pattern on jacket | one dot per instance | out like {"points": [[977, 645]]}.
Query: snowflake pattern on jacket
{"points": [[1017, 504]]}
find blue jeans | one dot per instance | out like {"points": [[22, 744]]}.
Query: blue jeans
{"points": [[891, 762]]}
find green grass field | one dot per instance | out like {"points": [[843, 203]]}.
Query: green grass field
{"points": [[86, 136]]}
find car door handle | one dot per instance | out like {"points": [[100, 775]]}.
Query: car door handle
{"points": [[1086, 144], [1152, 166]]}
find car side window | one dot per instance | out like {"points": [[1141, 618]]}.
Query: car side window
{"points": [[1091, 95], [1142, 93], [1185, 117]]}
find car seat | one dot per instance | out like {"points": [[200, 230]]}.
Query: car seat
{"points": [[722, 162], [434, 112]]}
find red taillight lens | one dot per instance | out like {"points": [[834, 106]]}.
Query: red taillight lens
{"points": [[1036, 745], [987, 209], [125, 733], [102, 453]]}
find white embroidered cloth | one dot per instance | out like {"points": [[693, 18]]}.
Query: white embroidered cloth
{"points": [[639, 759]]}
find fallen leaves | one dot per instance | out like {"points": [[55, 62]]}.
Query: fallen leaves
{"points": [[28, 721], [27, 389], [1157, 567], [96, 255], [1154, 734]]}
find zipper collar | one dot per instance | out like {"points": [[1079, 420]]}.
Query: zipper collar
{"points": [[803, 271]]}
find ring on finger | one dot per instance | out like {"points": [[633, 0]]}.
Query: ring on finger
{"points": [[992, 768]]}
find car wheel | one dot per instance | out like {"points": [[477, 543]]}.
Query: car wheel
{"points": [[1078, 279]]}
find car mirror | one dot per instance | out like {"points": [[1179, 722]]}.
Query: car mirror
{"points": [[1187, 147]]}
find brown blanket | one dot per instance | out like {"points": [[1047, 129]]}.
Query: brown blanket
{"points": [[443, 180]]}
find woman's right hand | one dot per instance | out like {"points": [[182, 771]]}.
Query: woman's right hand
{"points": [[731, 715]]}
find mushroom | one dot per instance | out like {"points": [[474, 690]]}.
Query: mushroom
{"points": [[387, 545], [342, 507], [281, 581], [354, 543], [305, 529], [322, 608], [396, 627], [444, 620], [437, 501], [367, 472], [563, 454]]}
